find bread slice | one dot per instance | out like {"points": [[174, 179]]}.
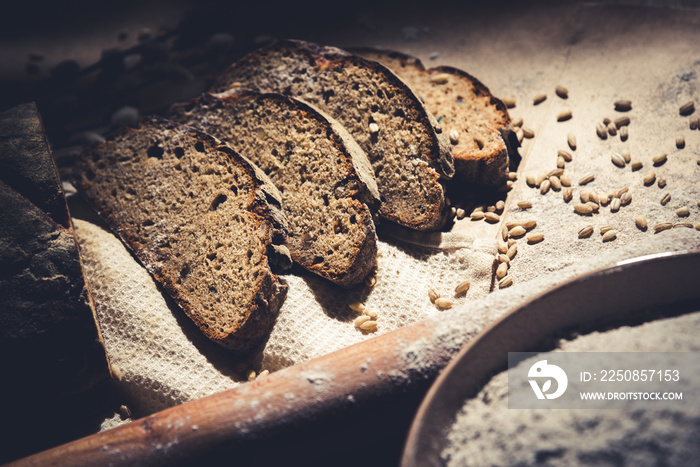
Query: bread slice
{"points": [[324, 177], [50, 344], [460, 102], [407, 150], [201, 218]]}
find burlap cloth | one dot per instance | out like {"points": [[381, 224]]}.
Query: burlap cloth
{"points": [[599, 53]]}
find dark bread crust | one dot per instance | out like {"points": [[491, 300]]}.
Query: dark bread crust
{"points": [[50, 343], [262, 210], [26, 163], [484, 168], [432, 147], [223, 115]]}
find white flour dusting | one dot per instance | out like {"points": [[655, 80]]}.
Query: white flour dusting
{"points": [[486, 432]]}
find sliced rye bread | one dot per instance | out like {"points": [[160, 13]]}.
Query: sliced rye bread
{"points": [[324, 177], [204, 221], [406, 147], [50, 343], [460, 102]]}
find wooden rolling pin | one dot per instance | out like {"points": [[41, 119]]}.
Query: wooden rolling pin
{"points": [[343, 401]]}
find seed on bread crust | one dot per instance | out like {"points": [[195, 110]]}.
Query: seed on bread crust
{"points": [[441, 78]]}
